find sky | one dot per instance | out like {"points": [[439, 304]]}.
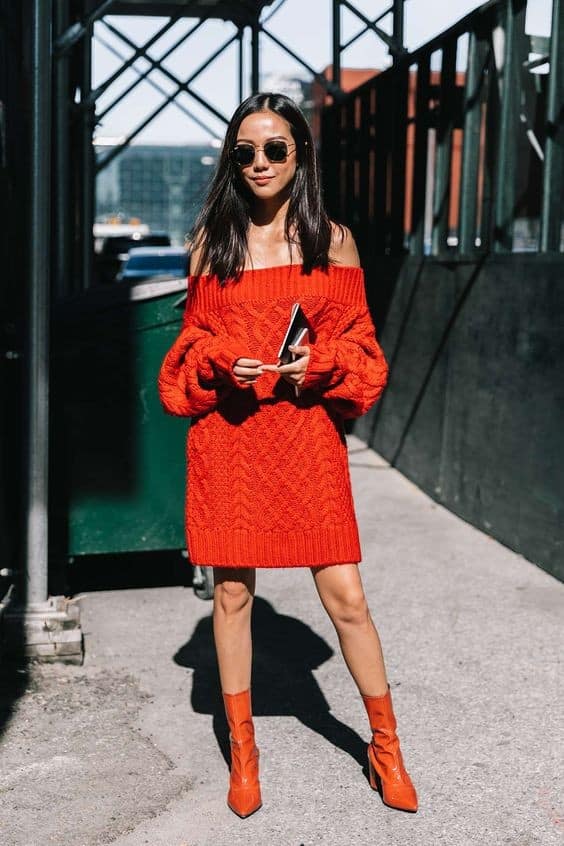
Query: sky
{"points": [[304, 25]]}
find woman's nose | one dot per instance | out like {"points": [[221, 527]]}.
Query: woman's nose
{"points": [[260, 162]]}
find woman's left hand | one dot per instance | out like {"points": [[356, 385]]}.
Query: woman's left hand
{"points": [[294, 372]]}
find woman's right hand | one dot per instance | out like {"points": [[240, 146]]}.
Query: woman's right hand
{"points": [[247, 370]]}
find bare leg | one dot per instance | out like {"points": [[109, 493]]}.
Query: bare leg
{"points": [[341, 592], [342, 595], [234, 589]]}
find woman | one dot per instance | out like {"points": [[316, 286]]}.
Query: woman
{"points": [[268, 477]]}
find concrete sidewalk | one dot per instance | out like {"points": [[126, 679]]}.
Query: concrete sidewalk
{"points": [[129, 748]]}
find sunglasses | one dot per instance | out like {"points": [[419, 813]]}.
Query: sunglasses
{"points": [[275, 151]]}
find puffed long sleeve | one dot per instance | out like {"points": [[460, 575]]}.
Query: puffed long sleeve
{"points": [[348, 367], [196, 372]]}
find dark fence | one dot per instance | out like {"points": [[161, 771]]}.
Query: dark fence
{"points": [[450, 174], [459, 147]]}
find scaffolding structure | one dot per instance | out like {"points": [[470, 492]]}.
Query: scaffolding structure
{"points": [[444, 152]]}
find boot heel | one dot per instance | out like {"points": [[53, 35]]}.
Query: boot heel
{"points": [[373, 776]]}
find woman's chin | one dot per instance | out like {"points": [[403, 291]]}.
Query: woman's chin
{"points": [[265, 189], [268, 191]]}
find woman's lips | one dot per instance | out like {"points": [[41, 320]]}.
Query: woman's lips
{"points": [[261, 180]]}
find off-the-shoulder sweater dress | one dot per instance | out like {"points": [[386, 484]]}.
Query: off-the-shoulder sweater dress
{"points": [[268, 481]]}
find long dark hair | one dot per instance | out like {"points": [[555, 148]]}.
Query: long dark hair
{"points": [[221, 227]]}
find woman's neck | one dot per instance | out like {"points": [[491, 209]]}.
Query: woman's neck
{"points": [[267, 244], [270, 213]]}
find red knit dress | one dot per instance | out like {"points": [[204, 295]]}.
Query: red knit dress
{"points": [[268, 481]]}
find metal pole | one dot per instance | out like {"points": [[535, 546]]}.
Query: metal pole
{"points": [[507, 149], [336, 43], [88, 176], [61, 236], [553, 176], [443, 159], [420, 158], [241, 37], [255, 57], [398, 151], [37, 354], [398, 19], [473, 98]]}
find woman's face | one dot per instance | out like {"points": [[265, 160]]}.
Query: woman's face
{"points": [[266, 179]]}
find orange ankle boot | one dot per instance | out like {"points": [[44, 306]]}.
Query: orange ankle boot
{"points": [[244, 788], [385, 763]]}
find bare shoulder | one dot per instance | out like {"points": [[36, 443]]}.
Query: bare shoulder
{"points": [[343, 248], [196, 250]]}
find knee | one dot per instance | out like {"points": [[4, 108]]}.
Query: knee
{"points": [[232, 597], [350, 609]]}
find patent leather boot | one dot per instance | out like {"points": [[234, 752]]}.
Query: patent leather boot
{"points": [[244, 788], [385, 763]]}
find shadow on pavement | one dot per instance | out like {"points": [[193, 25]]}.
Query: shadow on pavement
{"points": [[285, 651], [123, 571], [14, 681], [88, 573]]}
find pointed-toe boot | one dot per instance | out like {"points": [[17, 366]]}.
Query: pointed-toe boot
{"points": [[244, 788], [385, 763]]}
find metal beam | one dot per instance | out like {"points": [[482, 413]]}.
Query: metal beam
{"points": [[88, 202], [398, 141], [240, 67], [365, 130], [62, 163], [255, 57], [180, 86], [382, 170], [240, 13], [397, 30], [37, 354], [158, 88], [420, 152], [553, 174], [361, 32], [325, 83], [478, 53], [441, 198], [154, 64], [137, 54], [395, 48], [513, 27], [78, 30], [336, 73]]}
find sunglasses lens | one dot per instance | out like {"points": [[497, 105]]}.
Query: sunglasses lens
{"points": [[243, 154], [276, 151]]}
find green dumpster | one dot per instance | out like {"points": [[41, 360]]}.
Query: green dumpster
{"points": [[117, 460]]}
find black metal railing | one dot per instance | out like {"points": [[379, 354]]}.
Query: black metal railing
{"points": [[459, 147]]}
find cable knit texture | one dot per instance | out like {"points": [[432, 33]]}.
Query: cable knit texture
{"points": [[268, 477]]}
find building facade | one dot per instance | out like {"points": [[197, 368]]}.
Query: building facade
{"points": [[163, 186]]}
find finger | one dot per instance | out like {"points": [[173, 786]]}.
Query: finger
{"points": [[299, 350], [248, 362], [246, 371], [292, 367]]}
